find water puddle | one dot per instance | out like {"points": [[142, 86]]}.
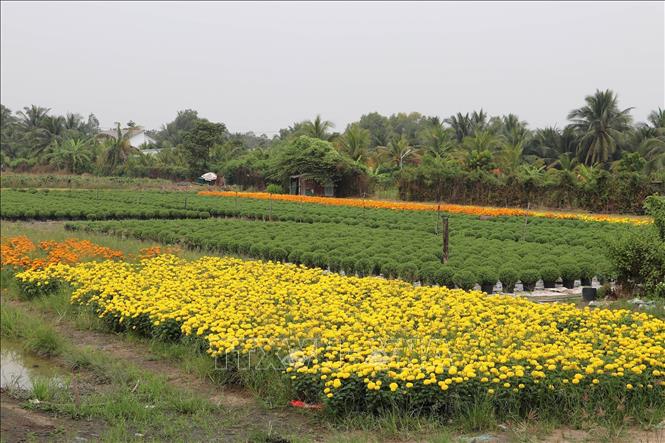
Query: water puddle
{"points": [[18, 370]]}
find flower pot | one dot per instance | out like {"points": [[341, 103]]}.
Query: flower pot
{"points": [[529, 287], [489, 288], [570, 284], [508, 289], [588, 293], [549, 284]]}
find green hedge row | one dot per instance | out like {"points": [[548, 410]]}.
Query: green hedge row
{"points": [[414, 255], [56, 205]]}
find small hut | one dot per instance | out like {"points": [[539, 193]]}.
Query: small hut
{"points": [[306, 184]]}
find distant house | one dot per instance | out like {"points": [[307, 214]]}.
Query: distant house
{"points": [[137, 137], [305, 184]]}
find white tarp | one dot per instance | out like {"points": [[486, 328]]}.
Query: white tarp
{"points": [[209, 176]]}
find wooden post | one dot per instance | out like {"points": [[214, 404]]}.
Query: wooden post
{"points": [[526, 220], [444, 258]]}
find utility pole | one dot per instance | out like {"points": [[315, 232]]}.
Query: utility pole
{"points": [[444, 258]]}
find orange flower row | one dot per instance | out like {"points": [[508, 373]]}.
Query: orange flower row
{"points": [[412, 206], [17, 251], [154, 251], [14, 252]]}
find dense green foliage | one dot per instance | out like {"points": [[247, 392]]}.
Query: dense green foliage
{"points": [[601, 161], [64, 205], [54, 181], [394, 243], [404, 244], [639, 256]]}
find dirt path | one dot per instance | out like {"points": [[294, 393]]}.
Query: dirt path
{"points": [[249, 412], [18, 424]]}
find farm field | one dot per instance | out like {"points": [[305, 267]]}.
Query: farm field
{"points": [[444, 363], [364, 240], [422, 349]]}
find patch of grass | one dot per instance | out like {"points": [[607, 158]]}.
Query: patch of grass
{"points": [[390, 424], [476, 417], [36, 337], [47, 389]]}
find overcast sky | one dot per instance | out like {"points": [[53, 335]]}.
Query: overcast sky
{"points": [[262, 66]]}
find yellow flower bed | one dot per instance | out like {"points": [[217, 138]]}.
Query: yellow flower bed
{"points": [[350, 337]]}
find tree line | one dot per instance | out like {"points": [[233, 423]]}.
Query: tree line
{"points": [[466, 157]]}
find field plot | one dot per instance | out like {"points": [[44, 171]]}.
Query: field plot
{"points": [[404, 244], [363, 344], [77, 205]]}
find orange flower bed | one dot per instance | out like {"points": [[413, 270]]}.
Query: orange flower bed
{"points": [[154, 251], [413, 206], [18, 251], [15, 252]]}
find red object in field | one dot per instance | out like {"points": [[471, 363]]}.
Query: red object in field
{"points": [[302, 404]]}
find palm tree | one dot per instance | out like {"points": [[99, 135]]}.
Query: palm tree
{"points": [[514, 130], [317, 128], [461, 124], [482, 141], [32, 117], [354, 142], [511, 156], [600, 126], [118, 150], [438, 140], [478, 121], [74, 155], [565, 162], [398, 151], [651, 141], [73, 122]]}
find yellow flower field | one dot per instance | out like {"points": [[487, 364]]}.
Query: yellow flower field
{"points": [[349, 338]]}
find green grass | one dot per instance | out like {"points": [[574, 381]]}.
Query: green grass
{"points": [[36, 337]]}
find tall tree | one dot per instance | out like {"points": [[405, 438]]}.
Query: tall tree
{"points": [[118, 149], [317, 128], [600, 126], [354, 142], [398, 151], [198, 143], [461, 124]]}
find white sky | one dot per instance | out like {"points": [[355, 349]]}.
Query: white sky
{"points": [[262, 66]]}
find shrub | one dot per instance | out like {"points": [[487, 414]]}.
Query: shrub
{"points": [[389, 269], [487, 276], [508, 278], [465, 280], [408, 271], [549, 274], [529, 277], [363, 267], [638, 260], [569, 272]]}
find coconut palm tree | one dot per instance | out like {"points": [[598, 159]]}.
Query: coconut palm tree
{"points": [[397, 152], [354, 142], [32, 116], [483, 141], [317, 128], [437, 139], [652, 141], [600, 126], [118, 150], [461, 124]]}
